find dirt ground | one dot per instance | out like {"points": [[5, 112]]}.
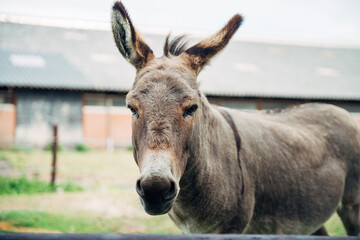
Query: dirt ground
{"points": [[94, 204], [8, 227], [108, 179]]}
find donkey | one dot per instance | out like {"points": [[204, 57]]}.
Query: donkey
{"points": [[218, 170]]}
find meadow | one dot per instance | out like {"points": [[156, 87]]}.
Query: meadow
{"points": [[94, 192]]}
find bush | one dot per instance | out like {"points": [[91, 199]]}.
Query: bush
{"points": [[70, 187], [18, 148], [49, 147], [15, 148], [82, 147], [22, 185], [129, 148]]}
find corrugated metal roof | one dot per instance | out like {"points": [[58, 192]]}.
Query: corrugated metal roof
{"points": [[280, 71], [19, 69], [89, 60]]}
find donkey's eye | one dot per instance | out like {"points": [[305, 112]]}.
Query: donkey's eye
{"points": [[190, 111], [133, 111]]}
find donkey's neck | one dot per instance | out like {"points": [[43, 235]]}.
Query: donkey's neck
{"points": [[206, 181], [213, 147]]}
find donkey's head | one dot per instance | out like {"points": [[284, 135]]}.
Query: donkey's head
{"points": [[166, 103]]}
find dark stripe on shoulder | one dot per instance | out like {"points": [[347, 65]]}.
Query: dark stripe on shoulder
{"points": [[230, 121]]}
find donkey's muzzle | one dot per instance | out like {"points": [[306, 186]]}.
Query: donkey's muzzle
{"points": [[157, 194]]}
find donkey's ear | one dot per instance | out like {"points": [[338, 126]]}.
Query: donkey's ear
{"points": [[200, 54], [128, 41]]}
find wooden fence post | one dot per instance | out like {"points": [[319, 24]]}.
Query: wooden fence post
{"points": [[54, 155]]}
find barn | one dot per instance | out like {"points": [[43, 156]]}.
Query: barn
{"points": [[74, 77]]}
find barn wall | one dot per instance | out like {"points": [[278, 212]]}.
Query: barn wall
{"points": [[106, 127], [38, 110], [273, 103], [97, 124], [7, 124], [353, 107]]}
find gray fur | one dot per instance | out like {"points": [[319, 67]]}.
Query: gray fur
{"points": [[298, 166]]}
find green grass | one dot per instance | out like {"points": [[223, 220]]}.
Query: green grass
{"points": [[68, 224], [335, 227], [23, 185], [65, 224]]}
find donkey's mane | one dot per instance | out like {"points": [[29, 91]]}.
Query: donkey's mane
{"points": [[176, 46]]}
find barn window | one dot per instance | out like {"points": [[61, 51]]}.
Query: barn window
{"points": [[95, 100], [118, 101], [5, 97], [108, 100]]}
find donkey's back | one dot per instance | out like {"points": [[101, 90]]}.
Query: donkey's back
{"points": [[304, 165]]}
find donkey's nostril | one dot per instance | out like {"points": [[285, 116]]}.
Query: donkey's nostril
{"points": [[139, 189], [172, 191], [155, 189]]}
